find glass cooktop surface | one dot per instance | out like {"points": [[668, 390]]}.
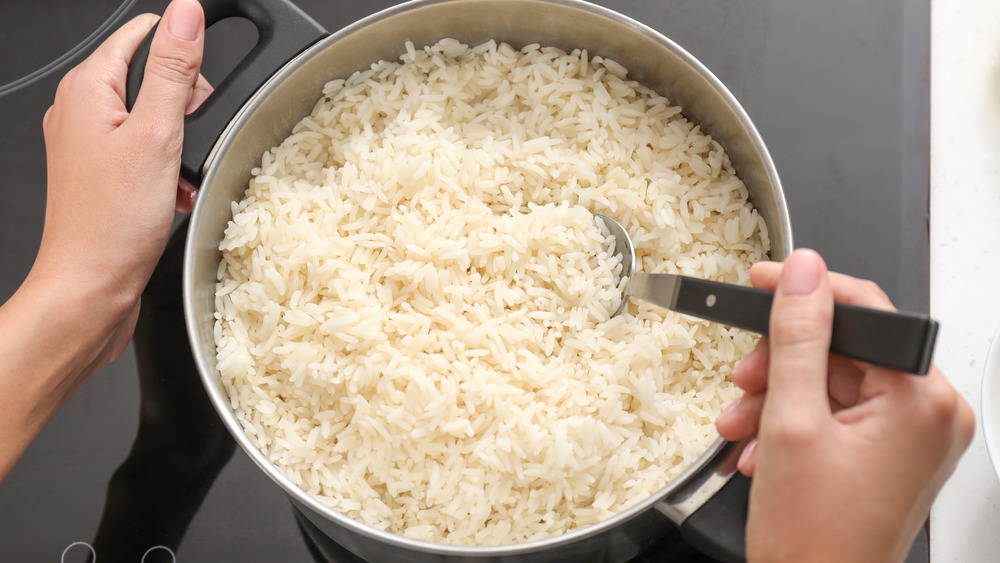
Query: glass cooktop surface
{"points": [[137, 466]]}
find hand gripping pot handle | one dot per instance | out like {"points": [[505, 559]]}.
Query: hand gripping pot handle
{"points": [[283, 31]]}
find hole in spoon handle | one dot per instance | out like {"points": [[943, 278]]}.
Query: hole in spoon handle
{"points": [[734, 305]]}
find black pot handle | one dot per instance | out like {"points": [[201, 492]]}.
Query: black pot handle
{"points": [[718, 528], [283, 31]]}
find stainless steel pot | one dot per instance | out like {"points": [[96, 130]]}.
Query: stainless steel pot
{"points": [[278, 84]]}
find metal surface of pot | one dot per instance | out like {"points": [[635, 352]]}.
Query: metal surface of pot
{"points": [[707, 504]]}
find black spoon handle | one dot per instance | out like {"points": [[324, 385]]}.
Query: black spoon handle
{"points": [[897, 340]]}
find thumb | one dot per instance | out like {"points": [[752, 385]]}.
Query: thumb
{"points": [[799, 337], [173, 65]]}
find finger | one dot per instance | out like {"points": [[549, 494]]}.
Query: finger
{"points": [[845, 382], [750, 373], [186, 195], [172, 68], [186, 192], [122, 44], [45, 119], [201, 91], [117, 50], [748, 459], [741, 418], [65, 95], [846, 289], [799, 337]]}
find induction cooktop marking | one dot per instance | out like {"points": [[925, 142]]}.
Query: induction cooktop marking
{"points": [[29, 79], [154, 548], [93, 554]]}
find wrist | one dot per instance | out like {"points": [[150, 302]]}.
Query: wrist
{"points": [[56, 328], [83, 300]]}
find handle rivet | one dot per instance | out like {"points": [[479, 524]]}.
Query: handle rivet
{"points": [[710, 300]]}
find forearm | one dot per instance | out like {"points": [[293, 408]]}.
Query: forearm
{"points": [[48, 348], [112, 189]]}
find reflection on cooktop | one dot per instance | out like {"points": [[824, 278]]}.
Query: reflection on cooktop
{"points": [[181, 444]]}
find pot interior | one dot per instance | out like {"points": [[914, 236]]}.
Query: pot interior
{"points": [[291, 93]]}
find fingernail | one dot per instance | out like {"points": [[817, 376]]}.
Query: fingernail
{"points": [[801, 273], [728, 411], [739, 365], [183, 19], [746, 453]]}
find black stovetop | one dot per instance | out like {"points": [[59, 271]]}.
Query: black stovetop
{"points": [[137, 459]]}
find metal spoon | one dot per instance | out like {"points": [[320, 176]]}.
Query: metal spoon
{"points": [[897, 340]]}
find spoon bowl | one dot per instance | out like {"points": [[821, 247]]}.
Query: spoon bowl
{"points": [[622, 247]]}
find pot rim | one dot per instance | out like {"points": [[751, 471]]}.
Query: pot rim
{"points": [[221, 401]]}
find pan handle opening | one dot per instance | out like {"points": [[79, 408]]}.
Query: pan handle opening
{"points": [[283, 32]]}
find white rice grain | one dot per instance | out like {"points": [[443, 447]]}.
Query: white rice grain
{"points": [[413, 309]]}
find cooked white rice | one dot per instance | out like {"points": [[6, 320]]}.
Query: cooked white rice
{"points": [[413, 304]]}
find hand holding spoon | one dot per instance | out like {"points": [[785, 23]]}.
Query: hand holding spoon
{"points": [[897, 340]]}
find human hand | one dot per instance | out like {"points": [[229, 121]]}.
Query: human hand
{"points": [[112, 191], [113, 175], [848, 457]]}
